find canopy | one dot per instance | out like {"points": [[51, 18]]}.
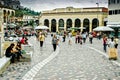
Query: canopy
{"points": [[41, 27], [103, 28], [28, 27], [76, 28], [11, 25]]}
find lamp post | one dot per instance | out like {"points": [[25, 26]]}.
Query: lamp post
{"points": [[97, 12]]}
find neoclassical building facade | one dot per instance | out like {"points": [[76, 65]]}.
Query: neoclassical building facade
{"points": [[65, 18]]}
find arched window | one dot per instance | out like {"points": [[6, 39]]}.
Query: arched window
{"points": [[61, 24], [86, 24], [95, 23], [77, 23], [46, 22], [69, 23], [53, 25]]}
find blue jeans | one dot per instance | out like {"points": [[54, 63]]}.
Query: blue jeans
{"points": [[105, 47]]}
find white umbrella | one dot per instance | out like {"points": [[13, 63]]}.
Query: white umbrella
{"points": [[103, 28], [82, 27], [11, 25], [41, 27]]}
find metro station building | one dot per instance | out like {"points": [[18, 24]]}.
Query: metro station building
{"points": [[64, 18]]}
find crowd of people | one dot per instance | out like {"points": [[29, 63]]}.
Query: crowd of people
{"points": [[80, 38]]}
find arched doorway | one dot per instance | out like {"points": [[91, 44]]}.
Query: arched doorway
{"points": [[86, 24], [5, 16], [77, 23], [95, 23], [69, 23], [61, 24], [53, 25], [8, 17], [46, 22]]}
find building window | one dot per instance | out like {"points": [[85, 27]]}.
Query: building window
{"points": [[112, 2], [116, 12], [119, 11], [109, 2], [110, 12], [118, 1]]}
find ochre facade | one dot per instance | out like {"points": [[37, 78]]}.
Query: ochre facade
{"points": [[65, 18]]}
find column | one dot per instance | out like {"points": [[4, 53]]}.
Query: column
{"points": [[1, 33], [81, 26], [65, 26], [90, 28], [73, 25], [50, 26], [57, 24]]}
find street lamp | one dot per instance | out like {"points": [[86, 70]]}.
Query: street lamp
{"points": [[97, 12]]}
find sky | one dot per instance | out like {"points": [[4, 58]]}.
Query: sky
{"points": [[42, 5]]}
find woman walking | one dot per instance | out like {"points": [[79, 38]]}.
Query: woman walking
{"points": [[54, 42], [41, 39]]}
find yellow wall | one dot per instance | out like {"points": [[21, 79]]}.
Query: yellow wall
{"points": [[73, 13]]}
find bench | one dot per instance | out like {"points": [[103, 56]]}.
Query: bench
{"points": [[4, 63]]}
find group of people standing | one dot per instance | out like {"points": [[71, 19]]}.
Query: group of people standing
{"points": [[113, 45]]}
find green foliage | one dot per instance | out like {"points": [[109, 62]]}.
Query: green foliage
{"points": [[25, 11]]}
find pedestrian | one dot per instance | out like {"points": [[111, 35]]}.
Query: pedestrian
{"points": [[54, 42], [104, 43], [84, 36], [64, 37], [112, 50], [41, 38], [116, 42], [70, 38], [90, 38]]}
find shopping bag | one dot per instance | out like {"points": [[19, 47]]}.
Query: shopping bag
{"points": [[113, 53]]}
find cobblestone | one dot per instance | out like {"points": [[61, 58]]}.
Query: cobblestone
{"points": [[74, 62]]}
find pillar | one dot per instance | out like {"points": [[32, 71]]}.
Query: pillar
{"points": [[65, 26], [81, 26], [90, 28], [57, 24], [50, 26]]}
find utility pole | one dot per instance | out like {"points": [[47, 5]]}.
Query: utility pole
{"points": [[97, 13]]}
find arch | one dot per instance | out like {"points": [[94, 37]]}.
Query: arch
{"points": [[68, 23], [53, 25], [61, 24], [46, 22], [77, 23], [12, 13], [5, 15], [86, 24], [8, 13], [95, 23]]}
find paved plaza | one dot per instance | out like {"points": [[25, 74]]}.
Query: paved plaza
{"points": [[68, 62]]}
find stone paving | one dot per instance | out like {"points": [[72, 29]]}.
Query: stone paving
{"points": [[17, 70], [78, 62], [74, 62]]}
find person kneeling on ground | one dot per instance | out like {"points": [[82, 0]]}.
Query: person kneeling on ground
{"points": [[10, 52]]}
